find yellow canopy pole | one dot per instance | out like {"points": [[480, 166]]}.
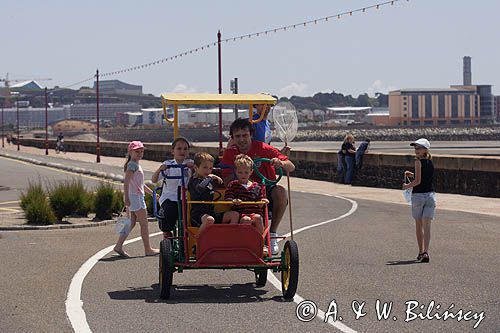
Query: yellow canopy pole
{"points": [[258, 120], [164, 105], [176, 121]]}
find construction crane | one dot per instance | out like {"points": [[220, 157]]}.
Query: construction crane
{"points": [[7, 81]]}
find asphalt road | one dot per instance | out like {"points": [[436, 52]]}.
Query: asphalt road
{"points": [[365, 256]]}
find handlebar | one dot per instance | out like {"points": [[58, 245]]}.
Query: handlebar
{"points": [[266, 181]]}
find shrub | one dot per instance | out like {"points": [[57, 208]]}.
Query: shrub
{"points": [[86, 205], [118, 203], [149, 200], [103, 201], [38, 211], [91, 201], [81, 197], [149, 204], [35, 205], [68, 198], [34, 190]]}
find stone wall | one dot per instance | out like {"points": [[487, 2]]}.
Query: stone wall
{"points": [[469, 175]]}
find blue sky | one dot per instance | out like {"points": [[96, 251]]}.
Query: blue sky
{"points": [[416, 43]]}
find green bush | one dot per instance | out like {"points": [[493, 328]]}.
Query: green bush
{"points": [[34, 190], [35, 205], [91, 201], [68, 198], [81, 196], [87, 203], [149, 200], [118, 203], [39, 212], [149, 204], [104, 200]]}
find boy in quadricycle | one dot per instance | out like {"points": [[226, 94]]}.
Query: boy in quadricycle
{"points": [[169, 193], [244, 189], [201, 188]]}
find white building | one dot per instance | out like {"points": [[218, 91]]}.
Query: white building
{"points": [[34, 117]]}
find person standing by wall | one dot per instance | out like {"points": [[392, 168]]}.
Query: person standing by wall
{"points": [[423, 198], [360, 152], [349, 152]]}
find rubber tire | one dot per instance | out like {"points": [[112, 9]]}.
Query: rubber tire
{"points": [[260, 277], [293, 250], [165, 268]]}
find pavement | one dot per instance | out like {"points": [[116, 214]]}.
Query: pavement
{"points": [[84, 163]]}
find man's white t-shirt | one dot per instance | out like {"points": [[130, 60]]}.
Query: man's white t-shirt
{"points": [[170, 186]]}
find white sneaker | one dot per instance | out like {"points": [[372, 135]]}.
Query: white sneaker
{"points": [[274, 244]]}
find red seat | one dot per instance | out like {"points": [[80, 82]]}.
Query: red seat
{"points": [[229, 245]]}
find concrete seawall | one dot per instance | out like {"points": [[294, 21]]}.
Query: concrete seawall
{"points": [[469, 175]]}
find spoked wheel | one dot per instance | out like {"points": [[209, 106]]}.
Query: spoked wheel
{"points": [[166, 268], [290, 270], [260, 277]]}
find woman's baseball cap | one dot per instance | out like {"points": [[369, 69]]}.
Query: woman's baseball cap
{"points": [[422, 142], [135, 145]]}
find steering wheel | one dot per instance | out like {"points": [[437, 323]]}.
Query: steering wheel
{"points": [[265, 181]]}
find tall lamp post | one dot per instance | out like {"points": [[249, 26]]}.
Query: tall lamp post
{"points": [[3, 144], [98, 145], [234, 89], [18, 144], [46, 124], [15, 93], [220, 89]]}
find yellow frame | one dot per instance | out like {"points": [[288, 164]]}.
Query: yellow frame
{"points": [[212, 99]]}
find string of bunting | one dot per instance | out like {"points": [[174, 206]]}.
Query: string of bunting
{"points": [[241, 37]]}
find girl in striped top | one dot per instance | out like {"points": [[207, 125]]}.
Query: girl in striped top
{"points": [[244, 189]]}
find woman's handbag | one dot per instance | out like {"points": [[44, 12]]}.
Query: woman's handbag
{"points": [[123, 224], [407, 193]]}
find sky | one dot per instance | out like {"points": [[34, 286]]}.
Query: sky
{"points": [[412, 44]]}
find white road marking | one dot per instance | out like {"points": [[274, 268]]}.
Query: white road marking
{"points": [[297, 298], [74, 304]]}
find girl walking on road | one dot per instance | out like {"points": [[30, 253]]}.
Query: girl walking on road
{"points": [[133, 188], [423, 198]]}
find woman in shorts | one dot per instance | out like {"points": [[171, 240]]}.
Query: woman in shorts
{"points": [[423, 198]]}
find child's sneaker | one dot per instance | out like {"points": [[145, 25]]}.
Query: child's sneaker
{"points": [[274, 244]]}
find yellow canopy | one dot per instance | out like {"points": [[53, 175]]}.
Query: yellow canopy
{"points": [[218, 99]]}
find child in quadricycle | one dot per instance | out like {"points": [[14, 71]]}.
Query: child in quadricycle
{"points": [[244, 189], [423, 198], [133, 188], [170, 187], [201, 188]]}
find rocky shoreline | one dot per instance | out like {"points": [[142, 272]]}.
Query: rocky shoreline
{"points": [[401, 134], [491, 133]]}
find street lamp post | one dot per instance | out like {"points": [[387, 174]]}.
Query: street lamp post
{"points": [[98, 145], [234, 89], [220, 89], [3, 144], [17, 104], [46, 125]]}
